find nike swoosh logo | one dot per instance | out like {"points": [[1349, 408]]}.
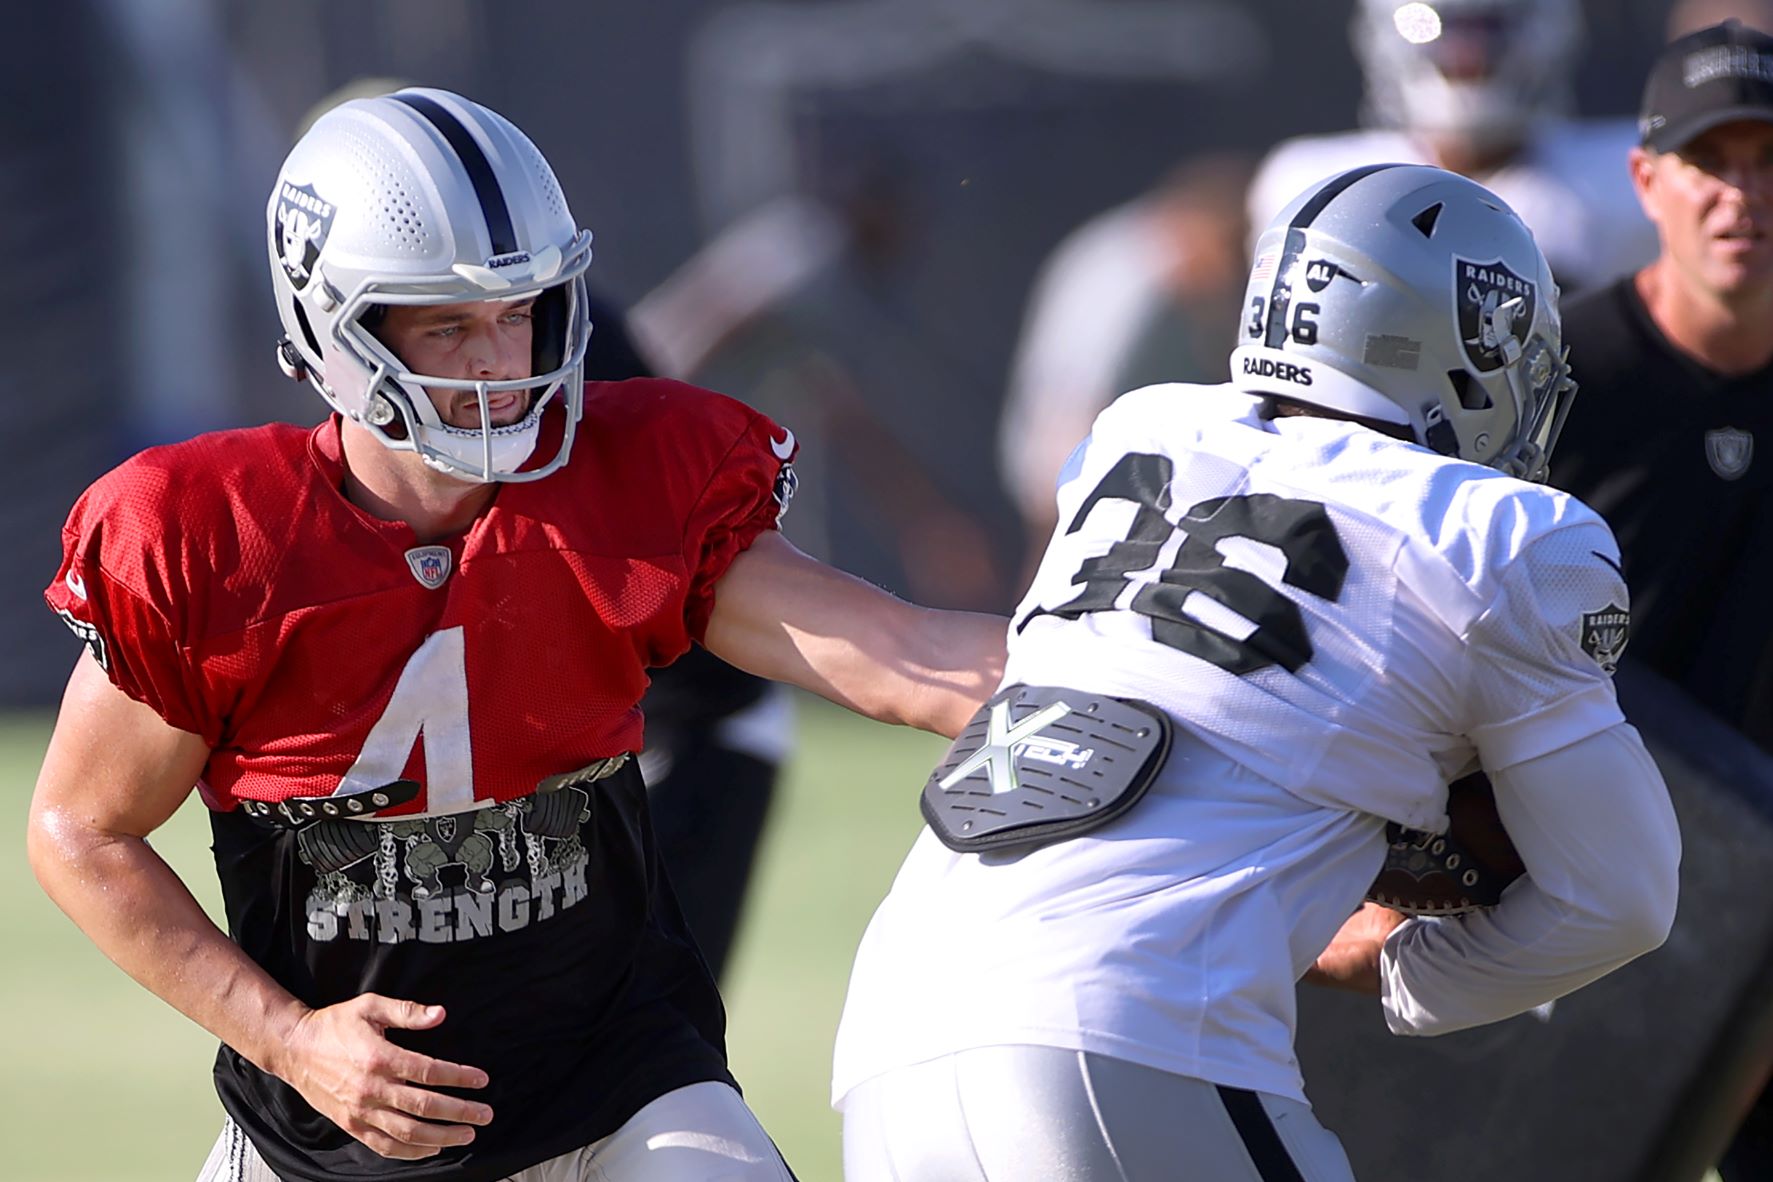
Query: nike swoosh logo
{"points": [[783, 447], [76, 584], [1610, 562]]}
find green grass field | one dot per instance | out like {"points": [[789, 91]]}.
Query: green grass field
{"points": [[99, 1080]]}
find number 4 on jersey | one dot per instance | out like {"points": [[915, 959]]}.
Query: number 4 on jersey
{"points": [[1301, 530], [430, 702]]}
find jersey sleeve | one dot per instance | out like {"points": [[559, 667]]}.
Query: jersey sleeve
{"points": [[1544, 652], [748, 491], [118, 590]]}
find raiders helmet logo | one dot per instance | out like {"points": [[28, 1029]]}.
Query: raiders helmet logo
{"points": [[1495, 309], [1604, 635], [302, 224], [1319, 273], [1729, 451]]}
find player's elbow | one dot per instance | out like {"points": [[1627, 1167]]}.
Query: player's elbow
{"points": [[1651, 915], [51, 845], [1640, 911]]}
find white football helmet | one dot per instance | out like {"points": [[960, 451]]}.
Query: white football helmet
{"points": [[1413, 296], [1483, 70], [423, 197]]}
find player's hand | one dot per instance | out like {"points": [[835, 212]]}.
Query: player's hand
{"points": [[1352, 959], [340, 1060]]}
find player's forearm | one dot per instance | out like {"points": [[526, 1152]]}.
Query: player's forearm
{"points": [[915, 667], [1593, 823], [1447, 975], [954, 662], [132, 905], [782, 615]]}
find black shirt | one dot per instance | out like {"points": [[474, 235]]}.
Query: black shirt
{"points": [[1666, 450], [543, 926]]}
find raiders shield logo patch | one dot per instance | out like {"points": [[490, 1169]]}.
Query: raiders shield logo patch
{"points": [[1729, 451], [303, 222], [1604, 635], [1495, 308], [787, 482], [429, 564]]}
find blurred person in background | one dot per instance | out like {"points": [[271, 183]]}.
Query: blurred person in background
{"points": [[401, 656], [1689, 16], [1146, 292], [1668, 440], [791, 308], [1338, 582], [1483, 88]]}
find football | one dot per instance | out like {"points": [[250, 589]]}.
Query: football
{"points": [[1450, 873]]}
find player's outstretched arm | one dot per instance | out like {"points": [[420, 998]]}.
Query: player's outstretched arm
{"points": [[1593, 823], [783, 615], [114, 772]]}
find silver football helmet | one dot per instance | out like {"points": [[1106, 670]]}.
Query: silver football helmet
{"points": [[1413, 296], [1482, 70], [424, 197]]}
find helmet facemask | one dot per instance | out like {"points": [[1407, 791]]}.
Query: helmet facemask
{"points": [[402, 416]]}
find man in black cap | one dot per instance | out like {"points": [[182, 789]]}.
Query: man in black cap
{"points": [[1676, 369]]}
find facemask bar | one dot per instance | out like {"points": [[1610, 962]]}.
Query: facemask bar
{"points": [[402, 391], [1551, 398]]}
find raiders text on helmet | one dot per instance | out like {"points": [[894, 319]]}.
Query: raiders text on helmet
{"points": [[1411, 295], [1479, 69], [423, 197]]}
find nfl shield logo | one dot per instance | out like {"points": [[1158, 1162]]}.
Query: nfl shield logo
{"points": [[1496, 309], [429, 564], [1729, 451]]}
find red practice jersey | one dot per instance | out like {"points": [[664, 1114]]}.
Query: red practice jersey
{"points": [[229, 584]]}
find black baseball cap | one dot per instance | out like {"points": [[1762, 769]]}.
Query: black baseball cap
{"points": [[1708, 78]]}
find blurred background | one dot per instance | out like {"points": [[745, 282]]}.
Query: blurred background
{"points": [[835, 209]]}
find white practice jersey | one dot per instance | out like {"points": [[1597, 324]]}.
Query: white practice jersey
{"points": [[1570, 183], [1339, 623]]}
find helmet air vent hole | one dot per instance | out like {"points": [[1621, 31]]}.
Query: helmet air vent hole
{"points": [[1425, 221]]}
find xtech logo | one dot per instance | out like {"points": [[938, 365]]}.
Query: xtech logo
{"points": [[1286, 371]]}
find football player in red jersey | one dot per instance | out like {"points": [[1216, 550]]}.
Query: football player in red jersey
{"points": [[400, 657]]}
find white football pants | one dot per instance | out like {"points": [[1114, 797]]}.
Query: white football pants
{"points": [[1043, 1114], [700, 1133]]}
